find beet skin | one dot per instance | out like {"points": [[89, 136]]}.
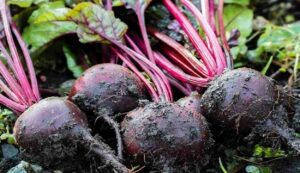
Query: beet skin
{"points": [[166, 135], [54, 133], [240, 99], [107, 89]]}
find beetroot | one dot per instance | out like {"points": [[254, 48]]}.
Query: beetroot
{"points": [[243, 100], [191, 102], [165, 135], [107, 89], [55, 134], [104, 90]]}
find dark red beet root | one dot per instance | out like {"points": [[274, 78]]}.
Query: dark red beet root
{"points": [[104, 90], [54, 133], [107, 89], [243, 103], [240, 99], [166, 136], [191, 102]]}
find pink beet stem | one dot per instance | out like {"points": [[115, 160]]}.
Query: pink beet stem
{"points": [[152, 76], [194, 37], [216, 48], [139, 74], [223, 34], [8, 92], [211, 15], [7, 57], [29, 63], [190, 58], [11, 104], [178, 73], [179, 86], [14, 86], [16, 59], [177, 59], [142, 24]]}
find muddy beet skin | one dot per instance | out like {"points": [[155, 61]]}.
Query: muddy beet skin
{"points": [[240, 99], [54, 134], [166, 135], [191, 102], [49, 132], [107, 88]]}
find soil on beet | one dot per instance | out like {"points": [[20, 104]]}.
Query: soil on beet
{"points": [[107, 89], [245, 99], [167, 137]]}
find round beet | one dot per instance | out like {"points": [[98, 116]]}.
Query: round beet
{"points": [[166, 136], [244, 103], [107, 89], [240, 99], [104, 90], [54, 133], [191, 102]]}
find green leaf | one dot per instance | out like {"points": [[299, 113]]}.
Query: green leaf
{"points": [[117, 3], [252, 169], [240, 2], [38, 35], [77, 70], [238, 17], [20, 3], [46, 24], [25, 3], [95, 24], [280, 41], [267, 152], [53, 11]]}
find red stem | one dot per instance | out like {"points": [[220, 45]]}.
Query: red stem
{"points": [[29, 63], [16, 59], [108, 4], [211, 15], [7, 57], [223, 34], [194, 37], [189, 57], [178, 73], [16, 107], [8, 92], [166, 87], [176, 58], [179, 86], [141, 76], [12, 83], [142, 24], [215, 46], [152, 76]]}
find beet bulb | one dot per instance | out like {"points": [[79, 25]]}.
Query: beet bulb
{"points": [[166, 136], [54, 133], [191, 102], [240, 100], [107, 89]]}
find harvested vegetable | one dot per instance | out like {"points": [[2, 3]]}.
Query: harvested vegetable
{"points": [[167, 137]]}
